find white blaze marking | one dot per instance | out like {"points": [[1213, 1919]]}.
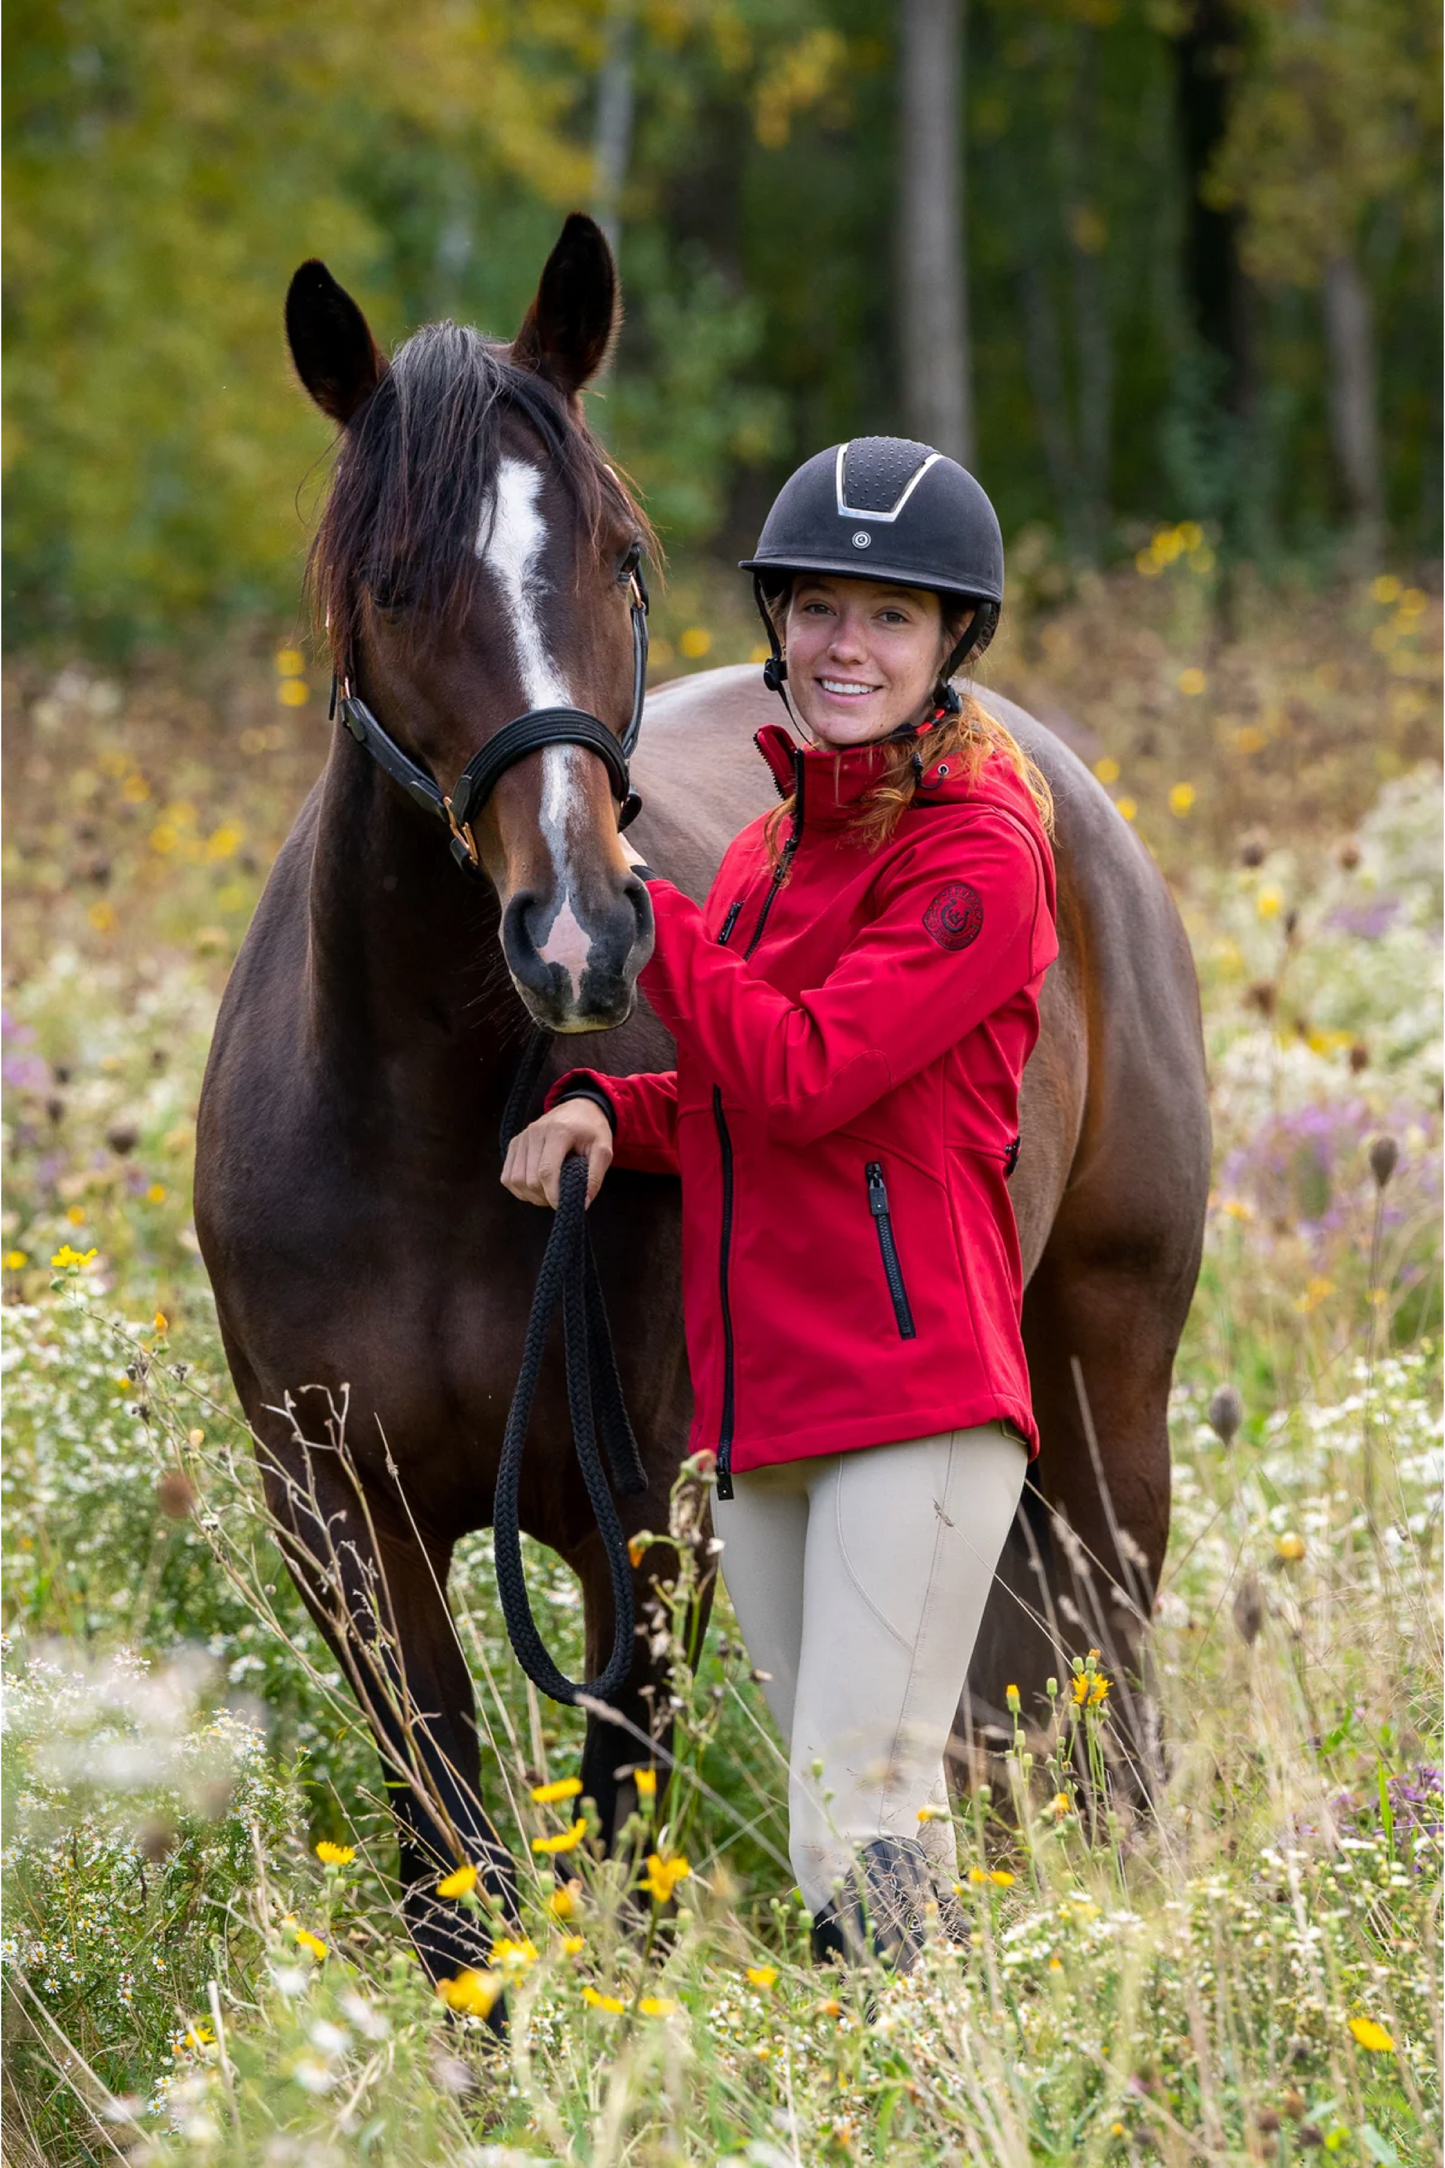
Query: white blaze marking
{"points": [[511, 544]]}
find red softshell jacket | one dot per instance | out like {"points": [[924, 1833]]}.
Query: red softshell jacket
{"points": [[851, 1030]]}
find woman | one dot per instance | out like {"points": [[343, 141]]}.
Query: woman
{"points": [[853, 1008]]}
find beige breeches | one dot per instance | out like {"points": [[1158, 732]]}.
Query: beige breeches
{"points": [[859, 1582]]}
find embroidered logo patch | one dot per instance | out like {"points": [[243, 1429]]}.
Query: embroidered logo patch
{"points": [[954, 919]]}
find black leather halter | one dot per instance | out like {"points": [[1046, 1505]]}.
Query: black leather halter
{"points": [[524, 734]]}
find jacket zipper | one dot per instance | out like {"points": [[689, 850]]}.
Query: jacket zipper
{"points": [[892, 1270], [725, 1148], [725, 1427], [786, 860]]}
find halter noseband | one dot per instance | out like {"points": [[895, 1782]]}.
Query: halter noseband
{"points": [[513, 742]]}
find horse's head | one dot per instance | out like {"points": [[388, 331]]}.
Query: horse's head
{"points": [[474, 563]]}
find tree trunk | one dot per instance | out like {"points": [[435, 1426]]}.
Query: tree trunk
{"points": [[1354, 425], [1209, 55], [612, 138], [937, 385]]}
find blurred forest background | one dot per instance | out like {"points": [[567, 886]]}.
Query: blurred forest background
{"points": [[1135, 260]]}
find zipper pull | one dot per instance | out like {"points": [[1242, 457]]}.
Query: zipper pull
{"points": [[725, 1472], [877, 1192], [730, 921]]}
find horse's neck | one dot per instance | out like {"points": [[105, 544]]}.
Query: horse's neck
{"points": [[405, 968]]}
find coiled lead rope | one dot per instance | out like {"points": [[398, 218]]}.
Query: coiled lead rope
{"points": [[594, 1398]]}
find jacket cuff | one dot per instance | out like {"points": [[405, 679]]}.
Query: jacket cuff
{"points": [[583, 1089]]}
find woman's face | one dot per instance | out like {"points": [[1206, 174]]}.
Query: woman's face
{"points": [[862, 658]]}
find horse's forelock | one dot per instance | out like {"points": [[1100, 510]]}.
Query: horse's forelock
{"points": [[415, 475]]}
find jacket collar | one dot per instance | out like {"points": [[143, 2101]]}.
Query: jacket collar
{"points": [[832, 783]]}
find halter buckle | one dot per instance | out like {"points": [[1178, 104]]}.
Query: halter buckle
{"points": [[462, 838]]}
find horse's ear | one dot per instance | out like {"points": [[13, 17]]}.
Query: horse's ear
{"points": [[335, 355], [566, 332]]}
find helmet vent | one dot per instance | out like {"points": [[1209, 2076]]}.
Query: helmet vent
{"points": [[877, 475]]}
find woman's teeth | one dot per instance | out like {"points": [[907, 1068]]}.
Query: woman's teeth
{"points": [[845, 685]]}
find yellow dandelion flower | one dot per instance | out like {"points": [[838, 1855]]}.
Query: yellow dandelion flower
{"points": [[1056, 1964], [76, 1215], [548, 1795], [156, 1194], [573, 1945], [603, 2002], [1372, 2036], [1098, 1692], [293, 692], [1317, 1290], [335, 1855], [762, 1975], [1181, 798], [1268, 902], [1192, 682], [1126, 808], [459, 1883], [637, 1547], [102, 916], [470, 1993], [646, 1782], [562, 1904], [1386, 588], [14, 1259], [664, 1874], [290, 662], [1060, 1805], [1002, 1878], [567, 1842], [1290, 1548], [977, 1874], [931, 1812], [519, 1952], [1011, 1696], [695, 643], [311, 1943], [1107, 769], [65, 1258], [1190, 534], [199, 2035], [160, 1322], [657, 2006]]}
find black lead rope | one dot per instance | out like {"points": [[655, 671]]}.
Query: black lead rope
{"points": [[594, 1397]]}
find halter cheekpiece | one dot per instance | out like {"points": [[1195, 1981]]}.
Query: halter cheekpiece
{"points": [[525, 734]]}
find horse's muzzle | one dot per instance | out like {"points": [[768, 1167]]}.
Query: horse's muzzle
{"points": [[575, 961]]}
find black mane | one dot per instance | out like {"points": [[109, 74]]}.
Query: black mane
{"points": [[410, 485]]}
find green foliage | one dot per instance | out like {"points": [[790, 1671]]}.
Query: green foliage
{"points": [[167, 167]]}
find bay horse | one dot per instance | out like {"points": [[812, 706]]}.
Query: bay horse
{"points": [[371, 1275]]}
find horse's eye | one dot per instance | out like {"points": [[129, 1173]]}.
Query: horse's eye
{"points": [[388, 594], [629, 564]]}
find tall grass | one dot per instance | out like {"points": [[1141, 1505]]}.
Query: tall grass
{"points": [[1248, 1972]]}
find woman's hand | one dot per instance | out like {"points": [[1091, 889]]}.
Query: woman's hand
{"points": [[533, 1165]]}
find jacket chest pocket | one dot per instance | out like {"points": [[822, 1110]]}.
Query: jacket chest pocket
{"points": [[882, 1214]]}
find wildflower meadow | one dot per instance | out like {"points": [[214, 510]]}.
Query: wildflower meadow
{"points": [[204, 1965]]}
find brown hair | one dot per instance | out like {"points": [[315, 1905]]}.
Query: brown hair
{"points": [[972, 734]]}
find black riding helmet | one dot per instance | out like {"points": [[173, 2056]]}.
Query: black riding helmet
{"points": [[885, 508]]}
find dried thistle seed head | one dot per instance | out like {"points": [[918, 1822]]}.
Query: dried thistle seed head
{"points": [[1249, 1609], [1359, 1056], [1384, 1156], [1348, 854], [175, 1495], [1253, 848], [1226, 1413], [1262, 995]]}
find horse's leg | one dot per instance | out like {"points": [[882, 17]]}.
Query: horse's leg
{"points": [[377, 1592], [1083, 1565], [643, 1701]]}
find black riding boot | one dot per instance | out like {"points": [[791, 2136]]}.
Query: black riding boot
{"points": [[881, 1906]]}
